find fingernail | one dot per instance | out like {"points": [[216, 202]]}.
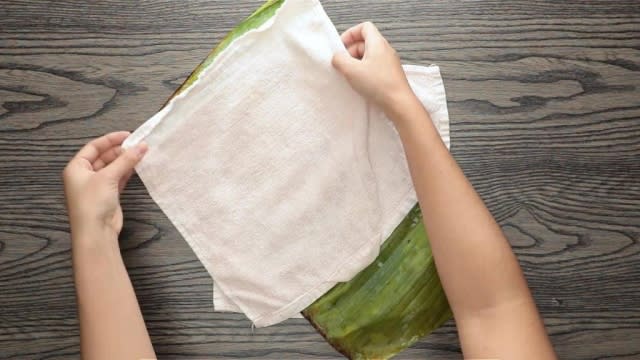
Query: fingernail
{"points": [[142, 148]]}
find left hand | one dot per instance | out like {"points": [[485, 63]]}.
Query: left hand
{"points": [[93, 181]]}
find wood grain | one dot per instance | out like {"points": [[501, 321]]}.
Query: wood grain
{"points": [[544, 101]]}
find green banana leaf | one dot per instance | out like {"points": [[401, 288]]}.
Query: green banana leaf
{"points": [[392, 303]]}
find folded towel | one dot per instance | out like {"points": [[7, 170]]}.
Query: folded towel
{"points": [[282, 179]]}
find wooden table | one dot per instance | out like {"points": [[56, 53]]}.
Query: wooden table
{"points": [[544, 98]]}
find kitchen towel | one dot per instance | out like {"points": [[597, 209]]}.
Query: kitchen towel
{"points": [[282, 179]]}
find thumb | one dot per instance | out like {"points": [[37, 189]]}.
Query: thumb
{"points": [[125, 163], [345, 64]]}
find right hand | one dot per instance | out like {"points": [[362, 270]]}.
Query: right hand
{"points": [[372, 67]]}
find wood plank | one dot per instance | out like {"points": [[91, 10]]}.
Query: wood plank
{"points": [[544, 99]]}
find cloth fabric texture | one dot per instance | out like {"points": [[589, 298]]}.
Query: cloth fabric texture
{"points": [[282, 179]]}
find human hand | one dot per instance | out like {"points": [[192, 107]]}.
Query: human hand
{"points": [[93, 181], [372, 67]]}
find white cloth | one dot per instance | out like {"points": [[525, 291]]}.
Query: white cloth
{"points": [[280, 177]]}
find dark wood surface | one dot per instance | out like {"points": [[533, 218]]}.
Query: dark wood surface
{"points": [[544, 101]]}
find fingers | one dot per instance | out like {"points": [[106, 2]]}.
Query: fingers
{"points": [[345, 64], [107, 157], [92, 151], [126, 162], [359, 33], [356, 50], [124, 180]]}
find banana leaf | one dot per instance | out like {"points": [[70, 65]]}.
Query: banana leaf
{"points": [[390, 304], [394, 301]]}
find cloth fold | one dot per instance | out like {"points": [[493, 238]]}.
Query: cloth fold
{"points": [[282, 179]]}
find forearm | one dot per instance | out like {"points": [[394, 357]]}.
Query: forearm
{"points": [[472, 255], [111, 324], [483, 281]]}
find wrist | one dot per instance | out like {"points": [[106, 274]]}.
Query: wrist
{"points": [[411, 119], [92, 234], [400, 104]]}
